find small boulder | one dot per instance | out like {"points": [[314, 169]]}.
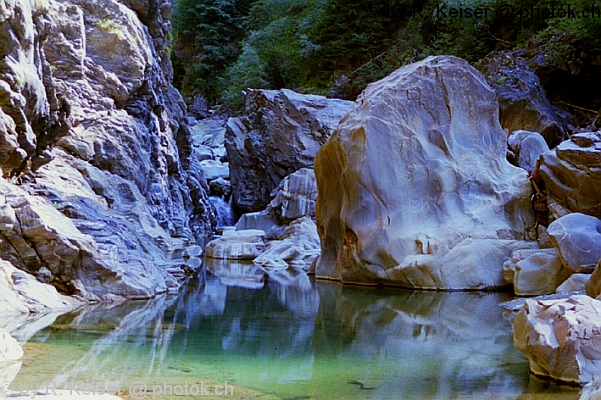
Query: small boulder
{"points": [[575, 283], [577, 239], [527, 147], [237, 245], [561, 338], [535, 271]]}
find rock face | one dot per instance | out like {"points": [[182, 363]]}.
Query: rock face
{"points": [[577, 238], [94, 135], [522, 100], [279, 133], [572, 173], [561, 338], [414, 188]]}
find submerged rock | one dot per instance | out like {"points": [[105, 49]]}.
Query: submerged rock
{"points": [[279, 133], [414, 188], [572, 174], [561, 338]]}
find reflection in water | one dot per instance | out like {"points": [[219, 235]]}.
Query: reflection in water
{"points": [[306, 340]]}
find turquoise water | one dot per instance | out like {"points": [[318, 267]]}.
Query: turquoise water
{"points": [[307, 340]]}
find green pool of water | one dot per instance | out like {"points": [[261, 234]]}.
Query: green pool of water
{"points": [[307, 340]]}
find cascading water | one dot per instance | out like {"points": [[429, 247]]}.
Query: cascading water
{"points": [[224, 212]]}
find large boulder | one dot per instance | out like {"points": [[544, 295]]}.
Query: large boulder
{"points": [[95, 152], [572, 174], [577, 239], [561, 338], [279, 133], [414, 188], [523, 104], [237, 245], [535, 271]]}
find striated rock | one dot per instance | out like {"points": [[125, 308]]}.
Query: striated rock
{"points": [[279, 133], [295, 196], [527, 147], [577, 239], [237, 245], [523, 104], [95, 136], [561, 338], [298, 247], [575, 283], [414, 188], [572, 173], [593, 284], [534, 272]]}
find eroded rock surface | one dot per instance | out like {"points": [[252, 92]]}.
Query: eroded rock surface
{"points": [[572, 174], [561, 338], [414, 188], [577, 239], [99, 180], [279, 133], [535, 272], [527, 147]]}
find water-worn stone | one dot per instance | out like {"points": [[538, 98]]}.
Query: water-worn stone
{"points": [[10, 349], [95, 136], [414, 188], [534, 272], [575, 283], [279, 133], [572, 174], [298, 247], [237, 245], [295, 196], [577, 239], [561, 338], [527, 147]]}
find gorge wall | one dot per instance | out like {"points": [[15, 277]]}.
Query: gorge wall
{"points": [[98, 184]]}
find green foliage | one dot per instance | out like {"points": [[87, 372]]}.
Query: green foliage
{"points": [[226, 46]]}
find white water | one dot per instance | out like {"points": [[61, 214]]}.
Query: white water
{"points": [[223, 210]]}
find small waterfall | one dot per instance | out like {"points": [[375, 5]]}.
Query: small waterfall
{"points": [[224, 213]]}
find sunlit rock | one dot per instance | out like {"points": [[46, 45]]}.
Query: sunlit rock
{"points": [[527, 147], [535, 272], [572, 174], [577, 238], [575, 283], [237, 245], [414, 188], [297, 247], [561, 338]]}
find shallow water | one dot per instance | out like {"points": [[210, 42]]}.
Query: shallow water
{"points": [[308, 340]]}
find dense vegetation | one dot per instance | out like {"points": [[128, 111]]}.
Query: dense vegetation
{"points": [[225, 46]]}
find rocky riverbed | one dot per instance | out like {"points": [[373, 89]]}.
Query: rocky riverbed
{"points": [[439, 176]]}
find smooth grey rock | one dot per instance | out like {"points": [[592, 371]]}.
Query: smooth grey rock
{"points": [[560, 338], [262, 220], [279, 133], [414, 188], [577, 239], [536, 271], [298, 247], [527, 147], [572, 174], [575, 283], [237, 245]]}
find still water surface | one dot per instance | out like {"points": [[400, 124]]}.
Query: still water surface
{"points": [[306, 340]]}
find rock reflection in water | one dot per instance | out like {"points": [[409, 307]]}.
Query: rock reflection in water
{"points": [[309, 340]]}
